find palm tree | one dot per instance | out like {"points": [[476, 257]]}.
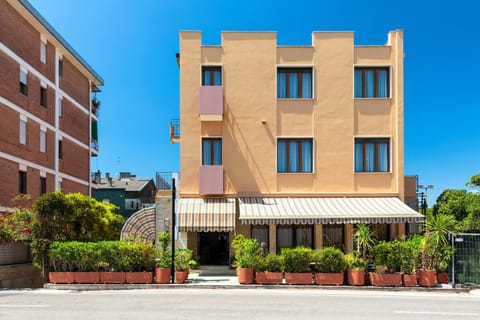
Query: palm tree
{"points": [[364, 239], [436, 245]]}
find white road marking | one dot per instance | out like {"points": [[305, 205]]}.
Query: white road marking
{"points": [[24, 305], [467, 314]]}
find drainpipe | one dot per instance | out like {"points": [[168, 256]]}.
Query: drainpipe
{"points": [[173, 230]]}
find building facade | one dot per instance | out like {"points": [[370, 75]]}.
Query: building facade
{"points": [[49, 115], [291, 145]]}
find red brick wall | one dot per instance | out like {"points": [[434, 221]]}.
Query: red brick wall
{"points": [[75, 84], [70, 186], [75, 160], [74, 122]]}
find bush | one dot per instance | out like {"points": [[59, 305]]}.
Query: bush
{"points": [[297, 259], [183, 258], [328, 260], [410, 255], [388, 255], [270, 263], [247, 252], [354, 262]]}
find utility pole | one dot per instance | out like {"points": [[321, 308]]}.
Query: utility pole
{"points": [[173, 229]]}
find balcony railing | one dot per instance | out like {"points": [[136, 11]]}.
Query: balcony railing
{"points": [[94, 144], [175, 130], [95, 106]]}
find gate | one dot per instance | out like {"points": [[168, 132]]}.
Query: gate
{"points": [[465, 264]]}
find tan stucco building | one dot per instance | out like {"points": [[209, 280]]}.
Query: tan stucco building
{"points": [[291, 145]]}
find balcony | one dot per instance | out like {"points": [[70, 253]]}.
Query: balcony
{"points": [[210, 103], [174, 131], [95, 106], [210, 180], [94, 147]]}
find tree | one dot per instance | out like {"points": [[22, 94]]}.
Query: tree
{"points": [[474, 181], [364, 239], [452, 202]]}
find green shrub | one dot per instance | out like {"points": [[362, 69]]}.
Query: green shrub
{"points": [[354, 262], [247, 252], [183, 257], [388, 255], [410, 255], [297, 259], [271, 263], [328, 260]]}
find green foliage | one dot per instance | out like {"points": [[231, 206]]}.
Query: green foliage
{"points": [[364, 239], [353, 261], [388, 255], [137, 256], [15, 225], [436, 247], [328, 260], [71, 217], [271, 263], [452, 203], [297, 259], [164, 259], [410, 254], [247, 252], [474, 181], [164, 240], [183, 258]]}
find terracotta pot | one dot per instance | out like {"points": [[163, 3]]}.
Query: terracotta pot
{"points": [[409, 280], [355, 277], [268, 277], [442, 277], [138, 277], [112, 277], [245, 275], [298, 278], [427, 278], [385, 279], [335, 279], [60, 277], [86, 277], [181, 276], [163, 275]]}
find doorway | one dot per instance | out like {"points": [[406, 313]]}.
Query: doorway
{"points": [[213, 248]]}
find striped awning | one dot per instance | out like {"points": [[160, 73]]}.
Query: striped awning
{"points": [[325, 211], [206, 215]]}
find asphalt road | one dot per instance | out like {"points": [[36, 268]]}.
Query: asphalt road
{"points": [[236, 304]]}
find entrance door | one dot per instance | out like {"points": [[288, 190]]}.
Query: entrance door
{"points": [[213, 248]]}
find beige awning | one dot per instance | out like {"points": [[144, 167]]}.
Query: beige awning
{"points": [[206, 215], [325, 211]]}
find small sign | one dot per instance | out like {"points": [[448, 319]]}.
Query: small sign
{"points": [[458, 239]]}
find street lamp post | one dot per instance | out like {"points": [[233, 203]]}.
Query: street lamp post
{"points": [[423, 196]]}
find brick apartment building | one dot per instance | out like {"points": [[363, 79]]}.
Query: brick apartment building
{"points": [[48, 122]]}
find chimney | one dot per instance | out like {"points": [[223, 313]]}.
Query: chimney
{"points": [[107, 176], [97, 177]]}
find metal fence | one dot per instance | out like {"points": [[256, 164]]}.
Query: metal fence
{"points": [[465, 264]]}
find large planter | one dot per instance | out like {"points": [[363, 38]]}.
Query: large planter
{"points": [[245, 275], [112, 277], [181, 276], [86, 277], [60, 277], [355, 277], [442, 277], [385, 279], [139, 277], [163, 275], [268, 277], [334, 279], [298, 278], [410, 280], [427, 278]]}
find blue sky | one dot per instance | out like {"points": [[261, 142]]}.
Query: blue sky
{"points": [[132, 45]]}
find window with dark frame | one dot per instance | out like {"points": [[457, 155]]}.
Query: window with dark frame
{"points": [[372, 154], [43, 185], [333, 236], [60, 67], [211, 151], [372, 82], [294, 83], [261, 233], [43, 96], [23, 83], [211, 76], [60, 149], [381, 231], [291, 236], [22, 182], [294, 155]]}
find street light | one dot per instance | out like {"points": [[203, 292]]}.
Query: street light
{"points": [[423, 196]]}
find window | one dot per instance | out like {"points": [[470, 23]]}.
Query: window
{"points": [[291, 236], [43, 96], [294, 83], [43, 185], [23, 82], [211, 151], [372, 154], [294, 155], [43, 51], [372, 82], [60, 149], [60, 67], [260, 233], [23, 131], [381, 231], [211, 76], [60, 107], [43, 140], [333, 236], [22, 182]]}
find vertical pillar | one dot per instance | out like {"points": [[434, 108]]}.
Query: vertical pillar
{"points": [[348, 232], [272, 238], [318, 230]]}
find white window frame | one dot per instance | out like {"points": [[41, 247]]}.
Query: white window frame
{"points": [[43, 51], [43, 139], [22, 136]]}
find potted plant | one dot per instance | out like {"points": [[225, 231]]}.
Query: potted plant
{"points": [[163, 271], [410, 254], [247, 253], [60, 256], [269, 269], [183, 258], [329, 266], [355, 269], [297, 265], [110, 267], [139, 261], [387, 262], [85, 264]]}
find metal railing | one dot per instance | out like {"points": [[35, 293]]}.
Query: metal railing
{"points": [[174, 130], [465, 264], [94, 144], [164, 180]]}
